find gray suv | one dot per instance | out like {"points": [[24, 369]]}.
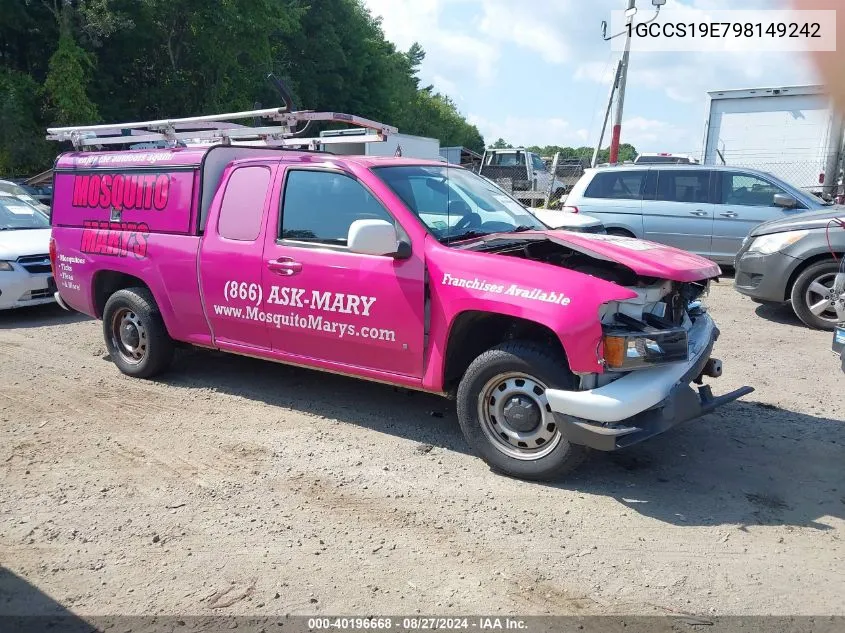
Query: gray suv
{"points": [[708, 210]]}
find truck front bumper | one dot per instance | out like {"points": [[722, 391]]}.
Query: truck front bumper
{"points": [[642, 403]]}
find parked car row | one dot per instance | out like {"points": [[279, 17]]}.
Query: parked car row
{"points": [[708, 211], [781, 240], [40, 197], [26, 277]]}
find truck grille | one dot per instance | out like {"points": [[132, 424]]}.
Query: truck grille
{"points": [[36, 263]]}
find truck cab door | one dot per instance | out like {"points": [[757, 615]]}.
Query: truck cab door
{"points": [[329, 306], [230, 261]]}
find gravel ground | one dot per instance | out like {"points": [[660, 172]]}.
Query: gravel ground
{"points": [[237, 486]]}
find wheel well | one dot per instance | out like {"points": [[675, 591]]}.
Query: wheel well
{"points": [[617, 231], [473, 333], [815, 259], [107, 282]]}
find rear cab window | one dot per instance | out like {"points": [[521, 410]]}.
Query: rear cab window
{"points": [[242, 208], [507, 159], [617, 185]]}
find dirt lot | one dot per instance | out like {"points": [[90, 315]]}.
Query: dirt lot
{"points": [[242, 487]]}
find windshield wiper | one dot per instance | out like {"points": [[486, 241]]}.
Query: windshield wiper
{"points": [[523, 227], [466, 235]]}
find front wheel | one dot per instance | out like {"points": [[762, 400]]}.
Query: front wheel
{"points": [[135, 334], [813, 297], [506, 418]]}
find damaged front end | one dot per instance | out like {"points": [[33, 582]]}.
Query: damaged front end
{"points": [[652, 348]]}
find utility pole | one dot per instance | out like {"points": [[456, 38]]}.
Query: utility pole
{"points": [[613, 87], [616, 131]]}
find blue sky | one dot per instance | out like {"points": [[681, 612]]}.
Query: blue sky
{"points": [[538, 71]]}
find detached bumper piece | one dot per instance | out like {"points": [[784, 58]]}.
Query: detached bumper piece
{"points": [[644, 403]]}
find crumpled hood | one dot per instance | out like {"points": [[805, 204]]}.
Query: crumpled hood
{"points": [[645, 258], [22, 242], [800, 221]]}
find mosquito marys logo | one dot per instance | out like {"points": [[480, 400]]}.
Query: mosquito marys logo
{"points": [[121, 191], [511, 290], [115, 239]]}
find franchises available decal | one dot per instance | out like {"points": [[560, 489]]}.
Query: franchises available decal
{"points": [[115, 239], [511, 290], [121, 191]]}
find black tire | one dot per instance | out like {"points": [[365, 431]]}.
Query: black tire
{"points": [[522, 358], [825, 270], [135, 308], [620, 233]]}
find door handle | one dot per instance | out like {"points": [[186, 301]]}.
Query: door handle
{"points": [[700, 213], [284, 266], [729, 214]]}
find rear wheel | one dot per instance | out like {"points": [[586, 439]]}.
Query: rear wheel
{"points": [[135, 335], [506, 418], [813, 298]]}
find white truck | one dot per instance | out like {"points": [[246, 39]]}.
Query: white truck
{"points": [[526, 177], [404, 145], [792, 132]]}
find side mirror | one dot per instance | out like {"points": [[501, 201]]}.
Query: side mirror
{"points": [[376, 237], [787, 202]]}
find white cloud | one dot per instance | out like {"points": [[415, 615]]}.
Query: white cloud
{"points": [[643, 133], [536, 28], [451, 55]]}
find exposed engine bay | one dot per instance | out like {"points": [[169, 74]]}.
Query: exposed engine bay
{"points": [[647, 330], [675, 297]]}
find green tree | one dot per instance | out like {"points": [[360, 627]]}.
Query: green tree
{"points": [[173, 58], [68, 76], [23, 149], [501, 144]]}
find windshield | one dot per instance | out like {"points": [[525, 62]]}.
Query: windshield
{"points": [[16, 214], [456, 204]]}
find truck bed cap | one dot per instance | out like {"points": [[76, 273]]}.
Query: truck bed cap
{"points": [[193, 156]]}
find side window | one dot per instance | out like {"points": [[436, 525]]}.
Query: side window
{"points": [[747, 190], [537, 163], [242, 209], [617, 185], [683, 185], [320, 206]]}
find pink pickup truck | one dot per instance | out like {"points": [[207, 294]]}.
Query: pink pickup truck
{"points": [[408, 272]]}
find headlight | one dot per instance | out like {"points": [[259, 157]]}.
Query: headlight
{"points": [[6, 266], [625, 350], [768, 244]]}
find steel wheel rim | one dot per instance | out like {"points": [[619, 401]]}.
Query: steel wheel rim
{"points": [[129, 336], [819, 297], [499, 425]]}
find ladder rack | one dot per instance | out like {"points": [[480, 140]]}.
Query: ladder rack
{"points": [[218, 128]]}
